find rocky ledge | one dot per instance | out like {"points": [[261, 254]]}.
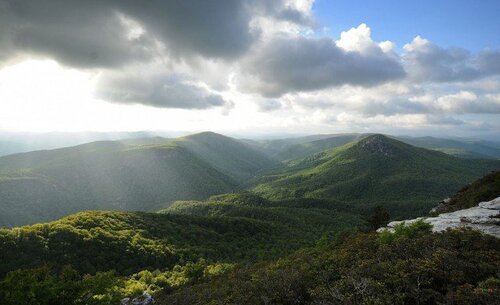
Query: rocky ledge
{"points": [[485, 217]]}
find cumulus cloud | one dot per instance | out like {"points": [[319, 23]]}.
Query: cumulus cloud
{"points": [[400, 99], [468, 102], [427, 62], [157, 89], [290, 64], [359, 40]]}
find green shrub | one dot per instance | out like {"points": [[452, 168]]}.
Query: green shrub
{"points": [[403, 230]]}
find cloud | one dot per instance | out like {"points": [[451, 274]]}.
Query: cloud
{"points": [[157, 89], [489, 62], [199, 54], [400, 98], [290, 64], [427, 62], [468, 102], [359, 40], [268, 105], [214, 29], [405, 121], [195, 39], [77, 33], [101, 33]]}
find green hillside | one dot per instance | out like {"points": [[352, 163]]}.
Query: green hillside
{"points": [[121, 175], [455, 267], [128, 242], [485, 189], [302, 150], [274, 147], [375, 170], [131, 241], [240, 248], [306, 223], [229, 156]]}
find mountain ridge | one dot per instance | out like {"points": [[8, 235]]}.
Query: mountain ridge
{"points": [[44, 185], [375, 169]]}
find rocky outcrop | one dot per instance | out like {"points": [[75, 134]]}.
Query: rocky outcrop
{"points": [[485, 217], [377, 144], [145, 299]]}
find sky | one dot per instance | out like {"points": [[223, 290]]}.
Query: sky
{"points": [[251, 67]]}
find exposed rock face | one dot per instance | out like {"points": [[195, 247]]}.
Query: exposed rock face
{"points": [[485, 217], [145, 299], [377, 144]]}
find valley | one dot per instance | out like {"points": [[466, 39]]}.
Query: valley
{"points": [[181, 217], [148, 174]]}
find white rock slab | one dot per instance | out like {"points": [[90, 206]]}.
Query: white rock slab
{"points": [[485, 217]]}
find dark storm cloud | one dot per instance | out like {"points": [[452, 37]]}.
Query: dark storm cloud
{"points": [[156, 89], [119, 34], [93, 33], [302, 64], [215, 28], [427, 62], [77, 33]]}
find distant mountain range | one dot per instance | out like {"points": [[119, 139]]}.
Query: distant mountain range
{"points": [[293, 148], [18, 142], [352, 171], [282, 149], [122, 175]]}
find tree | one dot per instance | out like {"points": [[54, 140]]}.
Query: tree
{"points": [[379, 217]]}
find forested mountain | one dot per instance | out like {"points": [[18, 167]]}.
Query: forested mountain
{"points": [[485, 189], [150, 173], [19, 142], [131, 241], [129, 175], [302, 150], [375, 170], [408, 266], [312, 219], [234, 248], [275, 146], [230, 156], [11, 147], [293, 148]]}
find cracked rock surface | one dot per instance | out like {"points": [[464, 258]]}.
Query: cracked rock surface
{"points": [[485, 217]]}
